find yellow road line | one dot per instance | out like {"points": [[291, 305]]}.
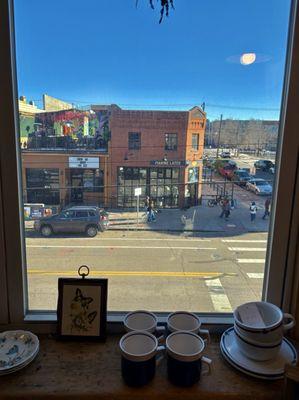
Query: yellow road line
{"points": [[135, 273]]}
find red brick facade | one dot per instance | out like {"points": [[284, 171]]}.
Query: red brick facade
{"points": [[152, 126]]}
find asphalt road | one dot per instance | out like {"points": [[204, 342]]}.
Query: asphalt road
{"points": [[152, 270]]}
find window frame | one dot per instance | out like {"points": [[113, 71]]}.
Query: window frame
{"points": [[170, 146], [134, 144], [195, 147], [279, 271]]}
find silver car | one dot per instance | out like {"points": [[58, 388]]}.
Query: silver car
{"points": [[259, 186]]}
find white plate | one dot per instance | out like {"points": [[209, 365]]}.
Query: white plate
{"points": [[17, 348], [21, 366], [16, 369], [270, 369]]}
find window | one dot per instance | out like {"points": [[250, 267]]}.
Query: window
{"points": [[234, 126], [68, 214], [81, 214], [171, 141], [195, 141], [134, 141], [42, 185]]}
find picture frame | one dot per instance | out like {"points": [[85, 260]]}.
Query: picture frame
{"points": [[82, 308]]}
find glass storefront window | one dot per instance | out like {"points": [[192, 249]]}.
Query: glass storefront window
{"points": [[40, 185]]}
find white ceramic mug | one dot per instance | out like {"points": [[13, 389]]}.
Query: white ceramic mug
{"points": [[185, 358], [273, 329], [139, 350], [255, 350], [186, 321], [142, 320]]}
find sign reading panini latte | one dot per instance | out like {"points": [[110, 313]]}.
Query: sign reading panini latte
{"points": [[168, 163]]}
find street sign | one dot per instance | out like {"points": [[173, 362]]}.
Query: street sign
{"points": [[137, 191]]}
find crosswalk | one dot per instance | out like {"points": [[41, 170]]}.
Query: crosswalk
{"points": [[220, 297]]}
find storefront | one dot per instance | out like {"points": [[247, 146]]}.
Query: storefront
{"points": [[161, 184], [60, 180]]}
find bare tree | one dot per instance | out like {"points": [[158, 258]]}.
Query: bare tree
{"points": [[165, 7]]}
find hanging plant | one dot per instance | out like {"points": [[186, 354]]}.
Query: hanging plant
{"points": [[165, 6]]}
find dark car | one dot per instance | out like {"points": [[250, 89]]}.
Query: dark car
{"points": [[225, 154], [80, 219], [264, 165], [241, 176]]}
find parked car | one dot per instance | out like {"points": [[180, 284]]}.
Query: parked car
{"points": [[259, 186], [78, 219], [241, 176], [264, 165], [227, 169], [225, 154]]}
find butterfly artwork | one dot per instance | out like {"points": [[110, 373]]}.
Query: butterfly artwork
{"points": [[82, 308], [81, 315]]}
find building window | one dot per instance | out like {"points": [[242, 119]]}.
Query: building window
{"points": [[42, 186], [171, 141], [195, 141], [160, 184], [134, 140]]}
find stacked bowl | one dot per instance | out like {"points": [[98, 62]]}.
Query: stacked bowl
{"points": [[259, 329]]}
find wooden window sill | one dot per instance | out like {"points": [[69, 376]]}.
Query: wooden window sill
{"points": [[65, 370]]}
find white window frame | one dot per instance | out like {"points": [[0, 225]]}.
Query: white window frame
{"points": [[283, 229]]}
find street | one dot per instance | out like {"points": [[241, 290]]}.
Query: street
{"points": [[205, 264], [152, 270]]}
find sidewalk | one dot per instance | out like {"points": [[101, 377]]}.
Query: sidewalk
{"points": [[199, 218], [195, 219]]}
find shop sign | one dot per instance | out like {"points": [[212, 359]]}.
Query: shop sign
{"points": [[84, 162], [137, 191], [168, 163]]}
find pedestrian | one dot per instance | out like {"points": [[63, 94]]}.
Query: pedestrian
{"points": [[146, 203], [152, 212], [267, 208], [253, 210], [224, 207], [227, 210], [149, 213]]}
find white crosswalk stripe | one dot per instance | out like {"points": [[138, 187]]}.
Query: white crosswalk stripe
{"points": [[255, 275], [251, 260], [243, 241], [217, 294], [247, 249]]}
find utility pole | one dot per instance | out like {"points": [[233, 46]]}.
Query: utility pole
{"points": [[237, 139], [219, 134]]}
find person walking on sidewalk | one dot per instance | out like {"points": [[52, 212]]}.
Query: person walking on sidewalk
{"points": [[224, 207], [253, 210], [150, 212], [227, 210], [267, 208]]}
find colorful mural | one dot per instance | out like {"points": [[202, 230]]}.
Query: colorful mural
{"points": [[79, 128]]}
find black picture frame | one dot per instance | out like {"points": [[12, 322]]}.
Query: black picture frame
{"points": [[82, 309]]}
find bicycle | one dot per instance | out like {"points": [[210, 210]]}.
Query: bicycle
{"points": [[214, 202]]}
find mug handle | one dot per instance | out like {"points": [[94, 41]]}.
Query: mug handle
{"points": [[290, 324], [205, 332], [160, 353], [208, 362]]}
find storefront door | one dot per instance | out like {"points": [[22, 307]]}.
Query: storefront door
{"points": [[76, 187]]}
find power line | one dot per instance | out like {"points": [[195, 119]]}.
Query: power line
{"points": [[207, 104]]}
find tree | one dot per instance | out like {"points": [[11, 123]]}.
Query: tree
{"points": [[165, 7]]}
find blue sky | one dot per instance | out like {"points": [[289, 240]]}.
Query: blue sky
{"points": [[104, 51]]}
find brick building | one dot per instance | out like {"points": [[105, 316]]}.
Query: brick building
{"points": [[158, 151]]}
